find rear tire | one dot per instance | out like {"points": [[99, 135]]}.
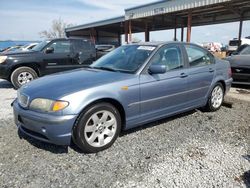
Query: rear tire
{"points": [[216, 98], [97, 128], [22, 75]]}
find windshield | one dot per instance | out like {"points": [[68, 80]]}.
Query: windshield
{"points": [[128, 58], [40, 45]]}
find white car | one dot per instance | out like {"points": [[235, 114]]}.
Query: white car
{"points": [[28, 46]]}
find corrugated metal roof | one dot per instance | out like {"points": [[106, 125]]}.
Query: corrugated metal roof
{"points": [[97, 24], [204, 12], [167, 6], [145, 5]]}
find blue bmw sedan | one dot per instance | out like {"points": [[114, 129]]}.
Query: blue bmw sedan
{"points": [[132, 85]]}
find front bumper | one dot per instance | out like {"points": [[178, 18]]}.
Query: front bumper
{"points": [[44, 127], [4, 71]]}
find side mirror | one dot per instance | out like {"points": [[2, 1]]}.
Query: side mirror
{"points": [[49, 50], [157, 69]]}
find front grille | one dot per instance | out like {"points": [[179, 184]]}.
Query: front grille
{"points": [[23, 99]]}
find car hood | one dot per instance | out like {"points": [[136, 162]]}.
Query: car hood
{"points": [[61, 84]]}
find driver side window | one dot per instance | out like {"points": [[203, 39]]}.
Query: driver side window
{"points": [[170, 56], [60, 46]]}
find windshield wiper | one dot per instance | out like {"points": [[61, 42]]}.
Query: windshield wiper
{"points": [[105, 68]]}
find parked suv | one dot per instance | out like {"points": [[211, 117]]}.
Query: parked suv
{"points": [[49, 56]]}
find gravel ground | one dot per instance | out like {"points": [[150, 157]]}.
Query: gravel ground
{"points": [[194, 149]]}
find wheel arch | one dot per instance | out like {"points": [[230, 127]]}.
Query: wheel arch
{"points": [[113, 102], [30, 65], [219, 80], [223, 84]]}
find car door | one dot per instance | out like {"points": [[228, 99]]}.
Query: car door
{"points": [[163, 94], [84, 53], [58, 56], [241, 66], [201, 70]]}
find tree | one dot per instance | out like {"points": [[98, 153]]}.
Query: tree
{"points": [[57, 29]]}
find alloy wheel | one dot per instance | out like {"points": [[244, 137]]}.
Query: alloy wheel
{"points": [[24, 77], [217, 97], [100, 128]]}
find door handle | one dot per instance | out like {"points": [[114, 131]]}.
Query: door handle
{"points": [[211, 70], [183, 75]]}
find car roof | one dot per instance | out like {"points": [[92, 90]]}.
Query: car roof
{"points": [[70, 38]]}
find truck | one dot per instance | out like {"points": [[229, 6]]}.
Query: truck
{"points": [[48, 57], [235, 43]]}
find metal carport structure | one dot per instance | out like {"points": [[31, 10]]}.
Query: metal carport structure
{"points": [[164, 15], [105, 31]]}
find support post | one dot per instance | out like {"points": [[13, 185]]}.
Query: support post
{"points": [[146, 32], [130, 31], [240, 30], [175, 30], [93, 35], [119, 39], [126, 31], [189, 26], [182, 33], [97, 36]]}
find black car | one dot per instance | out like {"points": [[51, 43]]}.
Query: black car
{"points": [[47, 57], [240, 63]]}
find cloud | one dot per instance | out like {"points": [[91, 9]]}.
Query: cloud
{"points": [[207, 34], [104, 5], [23, 20], [115, 5]]}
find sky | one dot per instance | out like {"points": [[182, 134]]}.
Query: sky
{"points": [[24, 19]]}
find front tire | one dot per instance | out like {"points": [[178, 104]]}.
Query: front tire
{"points": [[97, 128], [216, 98], [22, 75]]}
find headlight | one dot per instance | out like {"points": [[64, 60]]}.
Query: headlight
{"points": [[2, 59], [47, 105]]}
